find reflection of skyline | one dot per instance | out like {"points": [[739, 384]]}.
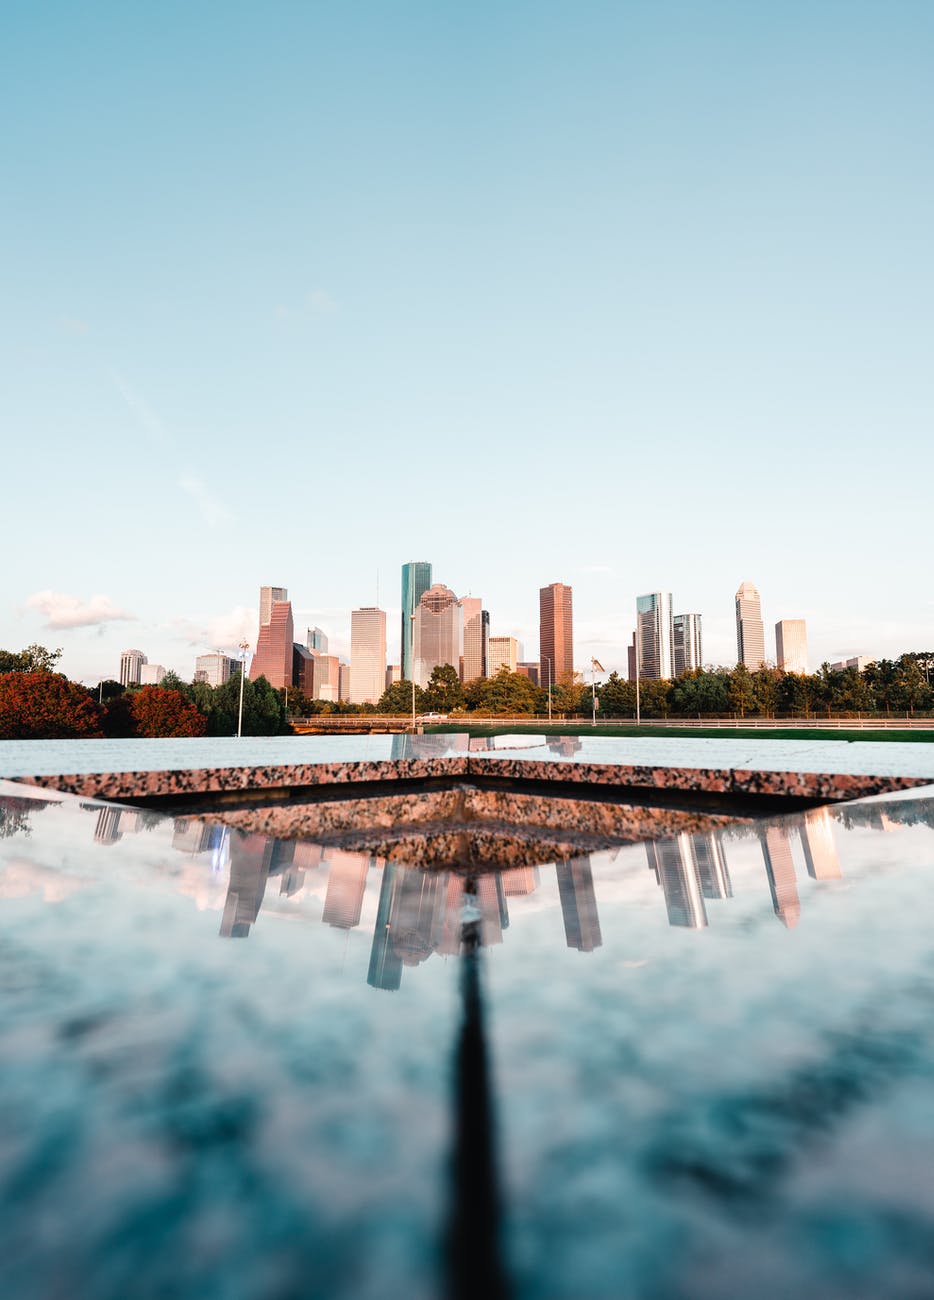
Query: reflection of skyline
{"points": [[421, 912]]}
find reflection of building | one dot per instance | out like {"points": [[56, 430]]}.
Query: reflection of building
{"points": [[409, 923], [566, 746], [131, 663], [274, 645], [780, 869], [367, 655], [750, 633], [476, 639], [791, 645], [504, 653], [654, 631], [520, 880], [555, 633], [343, 902], [191, 836], [673, 862], [439, 632], [687, 643], [820, 851], [711, 866], [107, 830], [416, 579], [578, 904], [250, 858]]}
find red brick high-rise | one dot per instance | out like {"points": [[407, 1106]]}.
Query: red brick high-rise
{"points": [[273, 657], [555, 634]]}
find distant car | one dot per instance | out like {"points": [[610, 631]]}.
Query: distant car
{"points": [[432, 717]]}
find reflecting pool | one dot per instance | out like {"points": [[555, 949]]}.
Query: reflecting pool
{"points": [[241, 1066]]}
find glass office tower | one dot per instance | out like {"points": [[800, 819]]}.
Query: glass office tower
{"points": [[416, 579]]}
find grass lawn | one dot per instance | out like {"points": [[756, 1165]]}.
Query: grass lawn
{"points": [[491, 728]]}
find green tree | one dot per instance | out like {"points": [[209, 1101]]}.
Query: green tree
{"points": [[444, 693], [397, 699], [511, 695], [655, 698], [701, 691], [570, 694], [765, 685], [263, 709], [617, 697], [34, 659], [742, 691]]}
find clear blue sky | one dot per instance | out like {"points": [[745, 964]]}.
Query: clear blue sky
{"points": [[634, 296]]}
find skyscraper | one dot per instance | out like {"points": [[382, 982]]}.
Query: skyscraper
{"points": [[416, 579], [750, 634], [791, 645], [655, 632], [273, 657], [268, 596], [151, 674], [367, 655], [439, 632], [131, 662], [215, 668], [317, 640], [555, 633], [476, 638], [504, 653], [687, 643]]}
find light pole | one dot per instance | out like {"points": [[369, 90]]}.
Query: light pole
{"points": [[244, 647], [595, 667], [548, 662]]}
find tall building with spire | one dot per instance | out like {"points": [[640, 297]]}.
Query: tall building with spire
{"points": [[367, 655], [439, 632], [750, 633], [416, 579], [654, 635], [555, 633], [274, 644]]}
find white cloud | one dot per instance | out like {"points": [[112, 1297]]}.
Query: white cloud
{"points": [[148, 420], [223, 632], [213, 512], [61, 610], [319, 300]]}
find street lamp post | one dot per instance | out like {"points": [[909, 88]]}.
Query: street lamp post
{"points": [[244, 647], [595, 666]]}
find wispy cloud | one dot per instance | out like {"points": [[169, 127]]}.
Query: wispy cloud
{"points": [[61, 610], [316, 303], [213, 512], [146, 417], [223, 632]]}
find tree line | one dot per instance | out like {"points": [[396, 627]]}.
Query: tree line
{"points": [[36, 701]]}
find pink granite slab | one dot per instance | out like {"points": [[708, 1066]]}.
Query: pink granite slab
{"points": [[285, 779]]}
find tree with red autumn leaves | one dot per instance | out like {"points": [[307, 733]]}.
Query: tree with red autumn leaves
{"points": [[159, 712], [46, 706]]}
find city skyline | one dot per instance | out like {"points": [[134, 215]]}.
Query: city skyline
{"points": [[699, 246]]}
